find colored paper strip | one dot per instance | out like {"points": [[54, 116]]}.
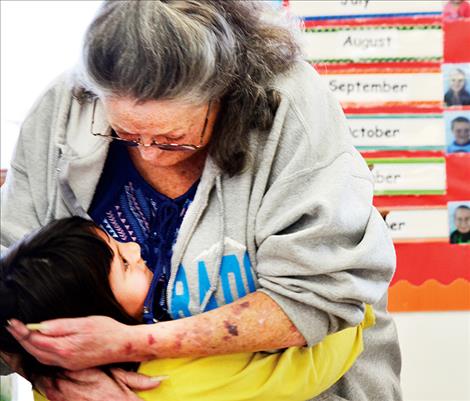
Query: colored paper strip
{"points": [[374, 44], [420, 225], [429, 296], [397, 131], [408, 176], [386, 88]]}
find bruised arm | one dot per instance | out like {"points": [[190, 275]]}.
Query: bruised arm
{"points": [[252, 323]]}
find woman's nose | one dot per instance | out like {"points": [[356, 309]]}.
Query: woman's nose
{"points": [[146, 140], [148, 152]]}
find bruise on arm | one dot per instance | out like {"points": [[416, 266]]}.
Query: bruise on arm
{"points": [[252, 323]]}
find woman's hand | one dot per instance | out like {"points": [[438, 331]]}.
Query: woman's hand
{"points": [[95, 385], [79, 343]]}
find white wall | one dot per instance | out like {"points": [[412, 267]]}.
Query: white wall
{"points": [[39, 40], [436, 355]]}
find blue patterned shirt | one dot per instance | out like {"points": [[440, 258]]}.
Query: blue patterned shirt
{"points": [[129, 209]]}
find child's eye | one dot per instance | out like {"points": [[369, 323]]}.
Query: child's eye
{"points": [[125, 263]]}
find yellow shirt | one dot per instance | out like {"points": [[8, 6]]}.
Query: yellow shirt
{"points": [[294, 374]]}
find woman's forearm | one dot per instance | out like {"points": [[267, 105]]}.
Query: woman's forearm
{"points": [[252, 323]]}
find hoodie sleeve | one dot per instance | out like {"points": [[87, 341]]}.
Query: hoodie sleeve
{"points": [[18, 216], [24, 195], [323, 249]]}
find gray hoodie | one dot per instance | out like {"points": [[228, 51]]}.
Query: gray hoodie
{"points": [[297, 223]]}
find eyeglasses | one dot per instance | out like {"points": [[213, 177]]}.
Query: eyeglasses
{"points": [[138, 142]]}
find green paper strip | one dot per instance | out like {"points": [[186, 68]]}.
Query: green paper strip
{"points": [[400, 148], [372, 60], [374, 28], [391, 116], [412, 192], [405, 160]]}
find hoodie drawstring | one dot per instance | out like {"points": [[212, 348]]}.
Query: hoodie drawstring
{"points": [[67, 193], [214, 280]]}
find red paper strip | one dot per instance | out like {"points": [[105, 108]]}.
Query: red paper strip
{"points": [[418, 262], [381, 68], [402, 109], [457, 41]]}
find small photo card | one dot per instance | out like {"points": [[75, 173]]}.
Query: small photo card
{"points": [[456, 84], [457, 129], [459, 222]]}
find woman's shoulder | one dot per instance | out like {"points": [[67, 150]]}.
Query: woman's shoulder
{"points": [[300, 80], [310, 127], [308, 94], [52, 102], [310, 106]]}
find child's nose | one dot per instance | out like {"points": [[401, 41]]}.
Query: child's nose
{"points": [[132, 251]]}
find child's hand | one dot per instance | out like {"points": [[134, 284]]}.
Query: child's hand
{"points": [[95, 385]]}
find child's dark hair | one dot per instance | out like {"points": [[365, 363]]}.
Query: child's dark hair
{"points": [[59, 271]]}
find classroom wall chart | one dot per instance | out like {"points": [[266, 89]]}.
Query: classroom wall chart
{"points": [[401, 70]]}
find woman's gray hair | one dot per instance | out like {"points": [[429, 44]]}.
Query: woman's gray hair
{"points": [[193, 51]]}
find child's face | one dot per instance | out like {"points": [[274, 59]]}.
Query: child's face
{"points": [[462, 220], [129, 277], [457, 81], [461, 131]]}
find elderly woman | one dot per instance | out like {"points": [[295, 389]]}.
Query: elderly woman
{"points": [[194, 130]]}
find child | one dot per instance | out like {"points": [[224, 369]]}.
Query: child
{"points": [[461, 234], [460, 127], [70, 268]]}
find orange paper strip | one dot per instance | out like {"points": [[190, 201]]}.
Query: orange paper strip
{"points": [[429, 296]]}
